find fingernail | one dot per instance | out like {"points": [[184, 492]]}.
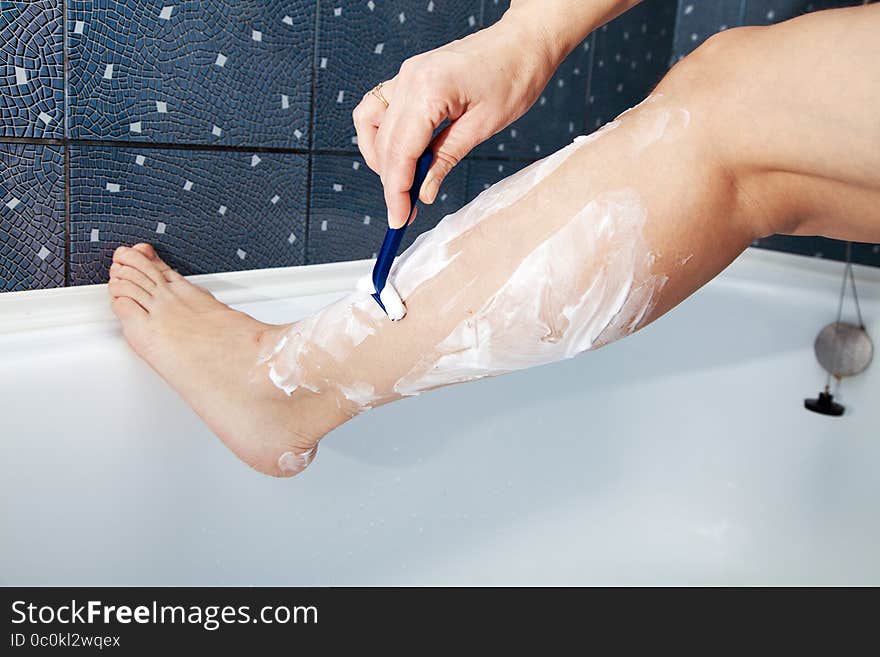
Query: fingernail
{"points": [[395, 222], [430, 188]]}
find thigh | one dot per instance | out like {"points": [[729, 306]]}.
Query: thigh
{"points": [[798, 103]]}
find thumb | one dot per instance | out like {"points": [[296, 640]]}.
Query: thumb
{"points": [[450, 147]]}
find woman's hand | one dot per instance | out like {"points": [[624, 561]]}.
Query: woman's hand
{"points": [[481, 84]]}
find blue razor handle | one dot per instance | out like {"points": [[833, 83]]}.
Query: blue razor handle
{"points": [[394, 236]]}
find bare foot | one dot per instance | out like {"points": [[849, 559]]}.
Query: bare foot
{"points": [[209, 353]]}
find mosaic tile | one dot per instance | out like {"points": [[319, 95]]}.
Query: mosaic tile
{"points": [[348, 218], [31, 70], [765, 12], [31, 216], [697, 21], [204, 211], [557, 116], [632, 55], [363, 43], [822, 247], [212, 72]]}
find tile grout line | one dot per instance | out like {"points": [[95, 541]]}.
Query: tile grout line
{"points": [[65, 146], [311, 153]]}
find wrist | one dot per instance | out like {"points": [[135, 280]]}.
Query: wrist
{"points": [[532, 32]]}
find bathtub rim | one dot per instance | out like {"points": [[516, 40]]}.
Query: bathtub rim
{"points": [[81, 305]]}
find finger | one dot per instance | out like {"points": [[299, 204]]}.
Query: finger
{"points": [[367, 117], [450, 147], [414, 214], [401, 139]]}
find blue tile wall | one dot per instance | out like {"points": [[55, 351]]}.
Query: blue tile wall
{"points": [[361, 43], [31, 70], [210, 72], [31, 216], [203, 210], [180, 122], [697, 21], [631, 55], [348, 218], [556, 117]]}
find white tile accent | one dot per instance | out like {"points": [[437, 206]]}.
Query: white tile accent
{"points": [[161, 107], [45, 118], [401, 17], [44, 253], [324, 225], [379, 48], [255, 160], [287, 20], [139, 160], [430, 6], [217, 131], [79, 27], [371, 5], [108, 72], [166, 12], [285, 101], [340, 97], [13, 203], [21, 76], [160, 228], [297, 133], [187, 186], [256, 35], [367, 219], [337, 187], [291, 238], [241, 254], [94, 235], [337, 11], [323, 62], [472, 21], [355, 165], [274, 200], [135, 127], [221, 60], [113, 188], [222, 210]]}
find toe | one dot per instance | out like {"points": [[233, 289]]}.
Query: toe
{"points": [[146, 249], [120, 288], [127, 310], [136, 259], [136, 276], [170, 274]]}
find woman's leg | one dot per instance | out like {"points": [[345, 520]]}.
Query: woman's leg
{"points": [[579, 250]]}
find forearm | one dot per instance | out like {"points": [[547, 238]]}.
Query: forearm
{"points": [[560, 25]]}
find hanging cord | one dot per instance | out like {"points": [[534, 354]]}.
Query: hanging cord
{"points": [[848, 276]]}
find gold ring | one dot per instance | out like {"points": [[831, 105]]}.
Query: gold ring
{"points": [[377, 92]]}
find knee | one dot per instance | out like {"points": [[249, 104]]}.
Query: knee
{"points": [[715, 70]]}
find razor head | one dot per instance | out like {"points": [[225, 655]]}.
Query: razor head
{"points": [[375, 295]]}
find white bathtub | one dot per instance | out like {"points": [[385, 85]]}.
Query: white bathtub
{"points": [[682, 455]]}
